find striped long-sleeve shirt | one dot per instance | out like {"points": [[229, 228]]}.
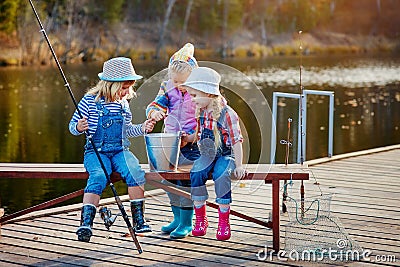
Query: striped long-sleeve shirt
{"points": [[88, 109]]}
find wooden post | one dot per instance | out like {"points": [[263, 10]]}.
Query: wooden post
{"points": [[275, 216], [1, 215]]}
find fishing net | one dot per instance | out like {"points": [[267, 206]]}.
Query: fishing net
{"points": [[314, 234], [308, 211]]}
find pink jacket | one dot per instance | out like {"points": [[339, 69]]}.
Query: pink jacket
{"points": [[178, 106]]}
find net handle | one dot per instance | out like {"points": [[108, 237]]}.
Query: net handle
{"points": [[309, 207]]}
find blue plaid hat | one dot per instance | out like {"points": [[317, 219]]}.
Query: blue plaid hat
{"points": [[118, 69]]}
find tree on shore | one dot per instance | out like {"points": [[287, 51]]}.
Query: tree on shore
{"points": [[185, 23], [163, 27], [96, 29]]}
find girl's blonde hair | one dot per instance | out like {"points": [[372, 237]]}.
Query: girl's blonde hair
{"points": [[109, 90], [178, 66], [216, 103]]}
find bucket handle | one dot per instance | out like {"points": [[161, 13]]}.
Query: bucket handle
{"points": [[180, 132]]}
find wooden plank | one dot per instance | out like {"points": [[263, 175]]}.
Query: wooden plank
{"points": [[76, 171], [359, 169], [14, 253], [151, 245], [355, 180], [353, 154]]}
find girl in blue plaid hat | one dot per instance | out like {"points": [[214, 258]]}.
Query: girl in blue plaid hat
{"points": [[108, 120], [173, 105]]}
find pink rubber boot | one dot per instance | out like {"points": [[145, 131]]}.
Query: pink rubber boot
{"points": [[224, 228], [200, 227]]}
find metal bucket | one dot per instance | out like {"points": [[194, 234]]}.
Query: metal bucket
{"points": [[163, 151]]}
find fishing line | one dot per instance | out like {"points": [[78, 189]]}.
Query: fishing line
{"points": [[89, 137]]}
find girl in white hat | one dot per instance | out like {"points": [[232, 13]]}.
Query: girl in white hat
{"points": [[220, 142], [174, 105], [108, 121]]}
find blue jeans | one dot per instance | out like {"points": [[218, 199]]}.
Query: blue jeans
{"points": [[221, 168], [123, 162]]}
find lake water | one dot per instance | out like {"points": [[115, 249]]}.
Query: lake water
{"points": [[35, 109]]}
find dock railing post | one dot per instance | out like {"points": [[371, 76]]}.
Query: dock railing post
{"points": [[301, 133]]}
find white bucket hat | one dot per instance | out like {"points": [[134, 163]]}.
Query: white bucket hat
{"points": [[118, 69], [205, 80]]}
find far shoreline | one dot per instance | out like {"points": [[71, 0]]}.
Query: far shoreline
{"points": [[312, 44]]}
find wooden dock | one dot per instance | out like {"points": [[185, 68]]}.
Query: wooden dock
{"points": [[367, 192]]}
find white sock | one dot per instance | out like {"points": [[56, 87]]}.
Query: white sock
{"points": [[199, 204], [223, 209]]}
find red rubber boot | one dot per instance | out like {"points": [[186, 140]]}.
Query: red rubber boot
{"points": [[200, 227], [224, 228]]}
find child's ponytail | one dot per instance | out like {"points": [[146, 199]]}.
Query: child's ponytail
{"points": [[217, 107], [197, 116]]}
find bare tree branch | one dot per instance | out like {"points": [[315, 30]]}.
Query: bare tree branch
{"points": [[164, 27]]}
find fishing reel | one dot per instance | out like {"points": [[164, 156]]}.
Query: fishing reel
{"points": [[107, 217]]}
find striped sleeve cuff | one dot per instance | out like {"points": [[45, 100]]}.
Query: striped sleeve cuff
{"points": [[73, 130], [135, 130]]}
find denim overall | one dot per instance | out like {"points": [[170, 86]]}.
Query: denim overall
{"points": [[220, 162], [113, 148]]}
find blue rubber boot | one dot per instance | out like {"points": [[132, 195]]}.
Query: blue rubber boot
{"points": [[84, 231], [172, 226], [185, 224]]}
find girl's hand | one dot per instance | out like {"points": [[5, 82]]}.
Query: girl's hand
{"points": [[82, 125], [148, 125], [239, 172], [184, 136], [157, 115]]}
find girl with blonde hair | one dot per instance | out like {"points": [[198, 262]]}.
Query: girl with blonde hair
{"points": [[220, 140], [173, 105], [108, 120]]}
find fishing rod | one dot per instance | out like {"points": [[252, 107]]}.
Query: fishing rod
{"points": [[288, 144], [301, 103], [89, 136], [301, 125]]}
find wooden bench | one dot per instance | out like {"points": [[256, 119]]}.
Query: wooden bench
{"points": [[271, 174]]}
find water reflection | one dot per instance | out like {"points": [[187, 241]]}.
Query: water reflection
{"points": [[35, 109], [350, 77]]}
